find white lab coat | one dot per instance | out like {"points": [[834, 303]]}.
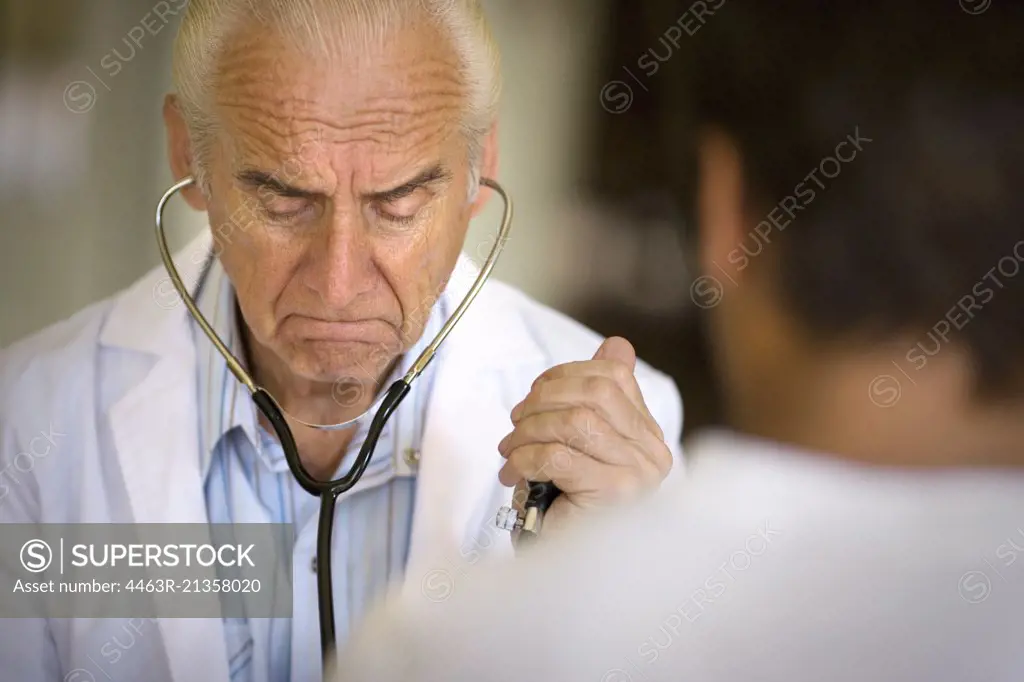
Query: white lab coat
{"points": [[100, 411]]}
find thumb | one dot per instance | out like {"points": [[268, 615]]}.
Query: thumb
{"points": [[618, 349]]}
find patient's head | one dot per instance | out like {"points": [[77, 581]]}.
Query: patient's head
{"points": [[861, 221]]}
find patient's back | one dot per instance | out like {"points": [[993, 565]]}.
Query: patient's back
{"points": [[762, 563]]}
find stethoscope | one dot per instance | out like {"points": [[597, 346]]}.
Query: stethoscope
{"points": [[540, 496]]}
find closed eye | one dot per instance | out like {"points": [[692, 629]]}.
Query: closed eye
{"points": [[402, 204], [403, 210], [276, 199], [282, 207]]}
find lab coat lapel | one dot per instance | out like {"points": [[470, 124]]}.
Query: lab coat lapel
{"points": [[485, 367], [155, 423], [155, 432]]}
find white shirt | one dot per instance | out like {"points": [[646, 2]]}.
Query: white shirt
{"points": [[761, 563]]}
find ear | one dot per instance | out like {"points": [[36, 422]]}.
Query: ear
{"points": [[488, 169], [720, 205], [179, 151]]}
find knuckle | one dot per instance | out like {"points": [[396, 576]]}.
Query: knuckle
{"points": [[577, 443], [542, 392], [520, 461], [601, 389], [545, 376], [526, 407], [638, 428], [621, 374], [558, 457]]}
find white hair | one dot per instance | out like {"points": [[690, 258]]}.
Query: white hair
{"points": [[325, 25]]}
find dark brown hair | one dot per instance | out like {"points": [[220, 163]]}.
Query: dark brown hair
{"points": [[922, 230]]}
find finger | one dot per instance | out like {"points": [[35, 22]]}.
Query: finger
{"points": [[575, 475], [582, 431], [597, 393], [536, 462], [615, 357], [554, 462], [573, 428], [617, 348], [612, 369], [519, 495]]}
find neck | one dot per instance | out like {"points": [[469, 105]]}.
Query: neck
{"points": [[863, 408], [314, 402]]}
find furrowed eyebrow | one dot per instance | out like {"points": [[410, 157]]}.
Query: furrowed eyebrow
{"points": [[259, 180], [434, 175]]}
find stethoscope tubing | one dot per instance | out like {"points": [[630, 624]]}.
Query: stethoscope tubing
{"points": [[541, 494]]}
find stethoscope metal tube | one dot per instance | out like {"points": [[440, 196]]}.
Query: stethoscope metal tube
{"points": [[329, 491]]}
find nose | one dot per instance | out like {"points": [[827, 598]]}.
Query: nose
{"points": [[342, 267]]}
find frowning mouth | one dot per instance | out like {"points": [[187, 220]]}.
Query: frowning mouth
{"points": [[363, 331]]}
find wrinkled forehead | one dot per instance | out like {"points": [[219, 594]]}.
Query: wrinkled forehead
{"points": [[398, 92]]}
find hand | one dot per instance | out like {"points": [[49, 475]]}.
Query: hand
{"points": [[585, 426]]}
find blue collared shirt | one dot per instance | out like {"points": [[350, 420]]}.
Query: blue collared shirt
{"points": [[247, 480]]}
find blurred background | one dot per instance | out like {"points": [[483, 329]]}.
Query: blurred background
{"points": [[597, 232]]}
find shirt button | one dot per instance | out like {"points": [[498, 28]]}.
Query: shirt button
{"points": [[412, 457], [312, 565]]}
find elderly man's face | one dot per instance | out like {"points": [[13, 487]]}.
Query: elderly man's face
{"points": [[339, 196]]}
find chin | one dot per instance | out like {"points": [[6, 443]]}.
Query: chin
{"points": [[331, 362]]}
